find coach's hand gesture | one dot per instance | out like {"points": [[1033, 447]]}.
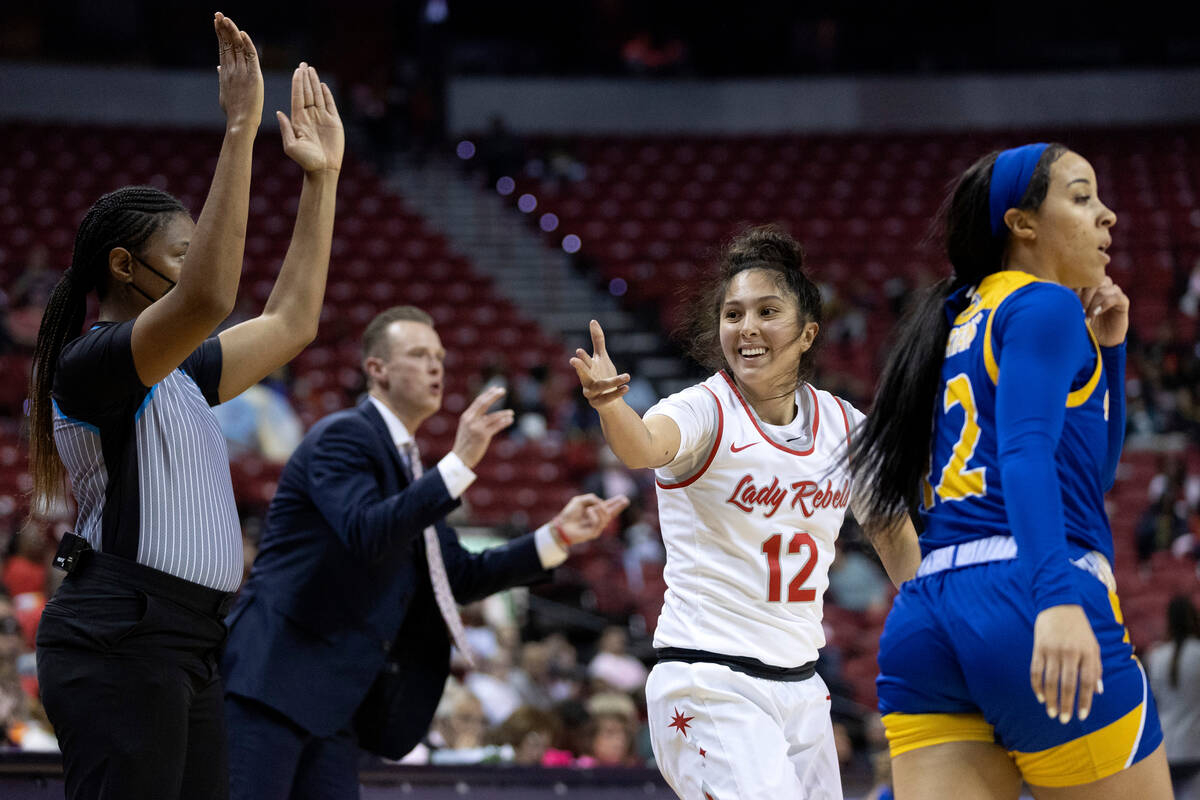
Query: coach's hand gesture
{"points": [[597, 375], [476, 426], [586, 515], [240, 78], [313, 135]]}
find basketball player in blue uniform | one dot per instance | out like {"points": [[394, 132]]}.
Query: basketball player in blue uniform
{"points": [[1000, 417]]}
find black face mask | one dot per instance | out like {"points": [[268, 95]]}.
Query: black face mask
{"points": [[170, 283]]}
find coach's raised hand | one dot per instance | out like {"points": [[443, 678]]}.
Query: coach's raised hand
{"points": [[241, 81], [585, 517], [313, 136], [476, 426]]}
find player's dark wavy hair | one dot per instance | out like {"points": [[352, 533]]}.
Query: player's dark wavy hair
{"points": [[124, 218], [891, 454], [762, 247]]}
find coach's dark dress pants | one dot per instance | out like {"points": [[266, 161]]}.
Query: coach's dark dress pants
{"points": [[128, 675]]}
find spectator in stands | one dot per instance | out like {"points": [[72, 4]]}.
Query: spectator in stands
{"points": [[534, 681], [611, 731], [127, 647], [1172, 475], [529, 732], [613, 668], [856, 582], [565, 668], [493, 684], [1174, 671], [611, 476], [1163, 521], [460, 722], [23, 723], [261, 422], [1189, 303], [29, 295], [28, 561], [643, 545]]}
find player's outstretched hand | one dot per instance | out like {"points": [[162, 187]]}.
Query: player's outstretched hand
{"points": [[313, 135], [476, 426], [239, 75], [586, 515], [1066, 657], [597, 375], [1107, 310]]}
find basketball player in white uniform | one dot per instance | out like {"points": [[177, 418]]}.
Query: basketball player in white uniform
{"points": [[752, 490]]}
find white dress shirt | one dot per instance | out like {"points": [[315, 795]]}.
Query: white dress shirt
{"points": [[458, 477]]}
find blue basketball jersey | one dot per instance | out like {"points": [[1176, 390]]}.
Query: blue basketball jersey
{"points": [[964, 494]]}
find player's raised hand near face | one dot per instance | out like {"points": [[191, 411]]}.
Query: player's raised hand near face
{"points": [[312, 136], [240, 77], [1107, 310], [597, 374]]}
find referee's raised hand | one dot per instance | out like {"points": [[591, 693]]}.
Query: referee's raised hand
{"points": [[241, 81]]}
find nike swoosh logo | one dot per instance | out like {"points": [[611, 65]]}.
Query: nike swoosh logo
{"points": [[733, 448]]}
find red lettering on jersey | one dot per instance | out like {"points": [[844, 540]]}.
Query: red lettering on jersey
{"points": [[810, 497], [746, 496], [733, 498]]}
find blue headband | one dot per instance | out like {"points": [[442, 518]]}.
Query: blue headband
{"points": [[1010, 178]]}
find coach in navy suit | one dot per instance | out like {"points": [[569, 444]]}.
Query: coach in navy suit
{"points": [[341, 593]]}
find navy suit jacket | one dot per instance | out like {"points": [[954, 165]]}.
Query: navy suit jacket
{"points": [[341, 585]]}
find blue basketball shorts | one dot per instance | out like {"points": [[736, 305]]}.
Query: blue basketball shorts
{"points": [[954, 666]]}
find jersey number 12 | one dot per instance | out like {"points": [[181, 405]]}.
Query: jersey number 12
{"points": [[773, 548]]}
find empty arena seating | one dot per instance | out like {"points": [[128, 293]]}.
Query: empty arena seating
{"points": [[383, 254], [650, 212], [653, 210]]}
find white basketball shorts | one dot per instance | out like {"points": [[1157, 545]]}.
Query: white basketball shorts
{"points": [[719, 734]]}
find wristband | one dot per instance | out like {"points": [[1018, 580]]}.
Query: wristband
{"points": [[559, 537]]}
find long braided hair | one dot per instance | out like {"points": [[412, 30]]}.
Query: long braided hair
{"points": [[124, 218]]}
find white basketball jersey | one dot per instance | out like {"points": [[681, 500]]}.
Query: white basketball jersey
{"points": [[750, 536]]}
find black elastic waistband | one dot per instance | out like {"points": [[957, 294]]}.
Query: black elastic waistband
{"points": [[744, 664], [114, 569]]}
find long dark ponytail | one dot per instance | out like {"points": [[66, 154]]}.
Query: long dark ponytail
{"points": [[124, 218], [891, 454]]}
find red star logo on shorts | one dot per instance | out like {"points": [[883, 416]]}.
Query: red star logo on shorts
{"points": [[703, 753], [680, 721]]}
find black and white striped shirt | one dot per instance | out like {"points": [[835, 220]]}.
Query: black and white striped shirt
{"points": [[148, 466]]}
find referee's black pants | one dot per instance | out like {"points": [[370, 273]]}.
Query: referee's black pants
{"points": [[128, 675]]}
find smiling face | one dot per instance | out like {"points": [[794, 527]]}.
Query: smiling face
{"points": [[408, 377], [763, 335], [1071, 229]]}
